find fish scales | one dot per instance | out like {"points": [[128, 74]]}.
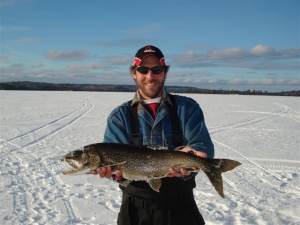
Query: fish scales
{"points": [[142, 163]]}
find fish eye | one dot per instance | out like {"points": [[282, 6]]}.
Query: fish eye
{"points": [[76, 153]]}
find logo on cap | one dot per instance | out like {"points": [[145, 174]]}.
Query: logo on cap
{"points": [[149, 49]]}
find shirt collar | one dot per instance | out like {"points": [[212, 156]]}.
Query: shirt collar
{"points": [[165, 98]]}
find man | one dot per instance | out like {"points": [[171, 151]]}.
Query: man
{"points": [[152, 104]]}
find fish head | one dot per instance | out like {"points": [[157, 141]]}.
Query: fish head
{"points": [[81, 161]]}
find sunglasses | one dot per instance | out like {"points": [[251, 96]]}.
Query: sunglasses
{"points": [[145, 70]]}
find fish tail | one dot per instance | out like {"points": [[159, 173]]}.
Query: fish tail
{"points": [[217, 167]]}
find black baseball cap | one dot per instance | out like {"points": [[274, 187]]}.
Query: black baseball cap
{"points": [[146, 51]]}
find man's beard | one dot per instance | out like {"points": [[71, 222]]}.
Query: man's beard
{"points": [[153, 93]]}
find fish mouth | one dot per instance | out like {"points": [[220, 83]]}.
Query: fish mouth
{"points": [[74, 165]]}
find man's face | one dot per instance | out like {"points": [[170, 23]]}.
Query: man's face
{"points": [[150, 85]]}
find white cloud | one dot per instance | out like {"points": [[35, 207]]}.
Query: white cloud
{"points": [[13, 28], [213, 81], [262, 81], [150, 28], [190, 56], [236, 81], [70, 55], [290, 53], [4, 57], [122, 42], [37, 65], [28, 40], [261, 50], [232, 53], [87, 66], [119, 60], [267, 81], [258, 57], [294, 82], [187, 80]]}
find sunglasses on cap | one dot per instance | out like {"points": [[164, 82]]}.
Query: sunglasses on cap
{"points": [[145, 70]]}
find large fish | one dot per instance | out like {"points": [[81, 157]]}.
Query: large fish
{"points": [[143, 163]]}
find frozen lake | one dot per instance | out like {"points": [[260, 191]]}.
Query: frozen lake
{"points": [[38, 128]]}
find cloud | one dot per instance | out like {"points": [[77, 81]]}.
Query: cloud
{"points": [[71, 55], [261, 50], [17, 66], [28, 40], [236, 81], [262, 81], [122, 43], [150, 28], [4, 57], [213, 81], [87, 66], [94, 73], [13, 71], [274, 82], [232, 53], [119, 60], [37, 65], [290, 53], [259, 57], [14, 28], [293, 82]]}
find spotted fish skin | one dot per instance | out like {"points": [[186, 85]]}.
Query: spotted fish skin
{"points": [[142, 163]]}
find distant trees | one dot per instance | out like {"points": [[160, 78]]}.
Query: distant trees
{"points": [[40, 86]]}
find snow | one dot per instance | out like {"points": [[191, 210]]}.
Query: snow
{"points": [[38, 128]]}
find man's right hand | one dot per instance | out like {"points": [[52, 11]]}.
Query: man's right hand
{"points": [[105, 172]]}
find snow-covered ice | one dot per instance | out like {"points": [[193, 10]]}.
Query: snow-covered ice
{"points": [[38, 128]]}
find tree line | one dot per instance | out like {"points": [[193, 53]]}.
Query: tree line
{"points": [[40, 86]]}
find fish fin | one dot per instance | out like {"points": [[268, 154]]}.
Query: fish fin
{"points": [[155, 184], [218, 166], [115, 167]]}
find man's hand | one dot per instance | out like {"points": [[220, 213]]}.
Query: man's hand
{"points": [[189, 149], [105, 172], [184, 172], [173, 173]]}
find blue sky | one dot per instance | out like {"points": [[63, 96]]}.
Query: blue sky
{"points": [[220, 44]]}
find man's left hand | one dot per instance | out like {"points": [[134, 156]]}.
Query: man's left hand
{"points": [[184, 172]]}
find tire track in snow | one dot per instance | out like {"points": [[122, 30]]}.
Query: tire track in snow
{"points": [[296, 113], [285, 112], [55, 123], [282, 111], [276, 168], [26, 159], [51, 123], [278, 177]]}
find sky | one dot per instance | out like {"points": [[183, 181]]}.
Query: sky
{"points": [[218, 44]]}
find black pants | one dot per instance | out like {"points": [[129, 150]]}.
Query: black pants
{"points": [[136, 211]]}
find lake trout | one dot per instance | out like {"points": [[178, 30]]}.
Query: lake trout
{"points": [[140, 163]]}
